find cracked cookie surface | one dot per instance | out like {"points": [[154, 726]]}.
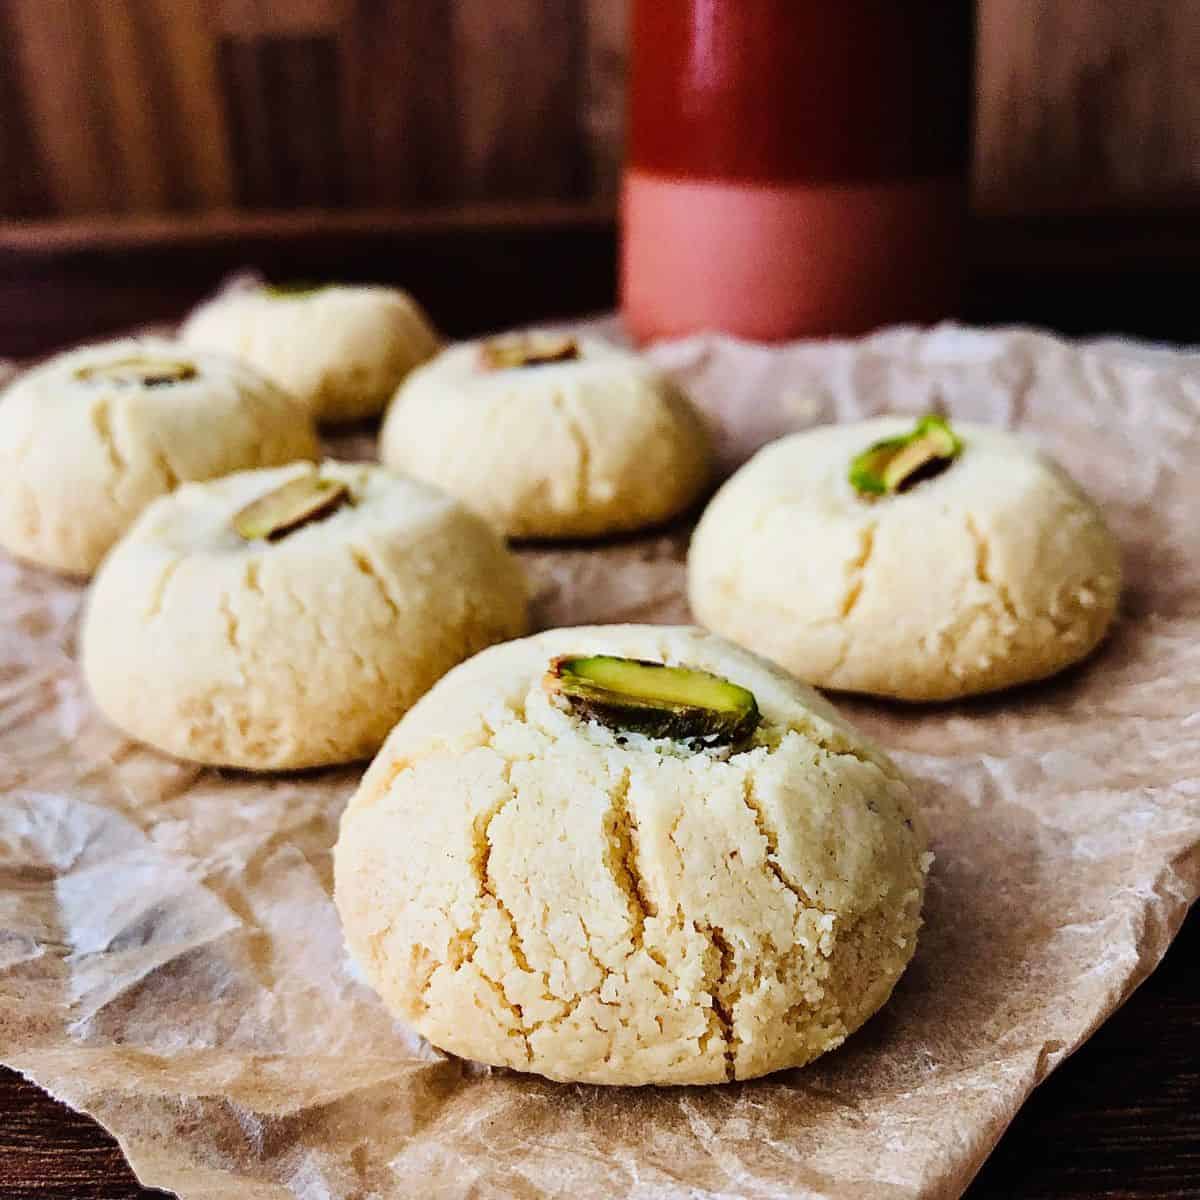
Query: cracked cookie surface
{"points": [[996, 572], [595, 445], [531, 890], [82, 454], [298, 652], [340, 350]]}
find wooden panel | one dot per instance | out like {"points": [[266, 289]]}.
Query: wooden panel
{"points": [[22, 174], [122, 103], [606, 28], [284, 134], [398, 99], [1088, 102], [71, 120], [146, 160], [187, 89], [520, 96], [246, 18]]}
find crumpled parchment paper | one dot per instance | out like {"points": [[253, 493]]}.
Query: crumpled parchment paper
{"points": [[170, 960]]}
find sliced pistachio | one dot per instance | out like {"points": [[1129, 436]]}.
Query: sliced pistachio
{"points": [[295, 290], [650, 698], [899, 463], [139, 371], [298, 502], [527, 350]]}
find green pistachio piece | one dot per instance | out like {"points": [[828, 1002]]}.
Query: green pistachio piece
{"points": [[296, 290], [298, 502], [650, 698], [899, 463], [139, 371], [527, 350]]}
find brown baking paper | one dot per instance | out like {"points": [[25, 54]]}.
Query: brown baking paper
{"points": [[170, 960]]}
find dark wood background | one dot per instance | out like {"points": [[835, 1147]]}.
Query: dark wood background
{"points": [[150, 147], [155, 106], [1088, 104], [183, 106]]}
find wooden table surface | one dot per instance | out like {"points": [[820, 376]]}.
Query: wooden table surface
{"points": [[1120, 1120]]}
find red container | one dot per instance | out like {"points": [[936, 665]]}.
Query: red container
{"points": [[795, 167]]}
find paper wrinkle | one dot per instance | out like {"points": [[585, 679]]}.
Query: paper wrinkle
{"points": [[170, 959]]}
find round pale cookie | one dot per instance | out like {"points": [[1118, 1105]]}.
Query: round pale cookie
{"points": [[239, 650], [89, 438], [995, 572], [340, 350], [532, 889], [594, 444]]}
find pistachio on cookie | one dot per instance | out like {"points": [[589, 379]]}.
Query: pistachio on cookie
{"points": [[650, 698], [527, 350], [295, 290], [138, 370], [899, 463], [282, 511]]}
